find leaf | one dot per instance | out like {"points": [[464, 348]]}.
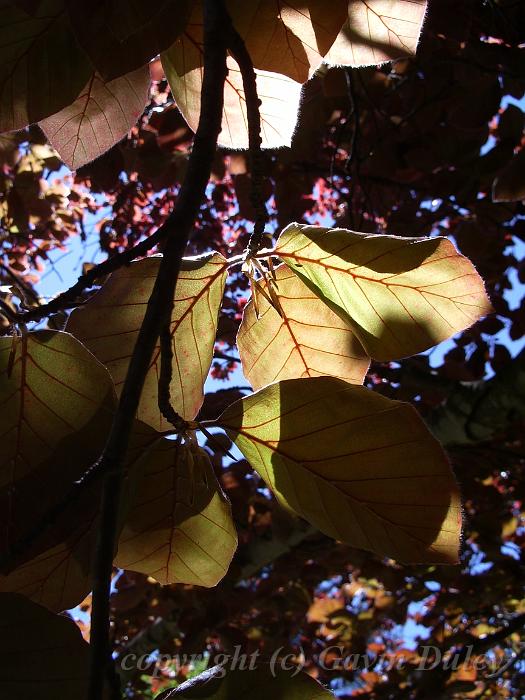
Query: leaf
{"points": [[56, 404], [279, 95], [42, 68], [256, 683], [377, 31], [108, 324], [180, 528], [288, 37], [120, 36], [361, 468], [58, 574], [100, 116], [42, 655], [307, 341], [400, 295]]}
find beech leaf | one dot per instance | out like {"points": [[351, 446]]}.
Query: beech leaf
{"points": [[279, 94], [180, 528], [288, 37], [377, 31], [307, 340], [101, 115], [42, 655], [42, 68], [259, 683], [120, 36], [108, 324], [361, 468], [400, 295]]}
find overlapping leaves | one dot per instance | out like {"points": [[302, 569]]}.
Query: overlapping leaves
{"points": [[109, 324], [360, 467]]}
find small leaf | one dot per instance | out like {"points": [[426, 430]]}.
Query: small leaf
{"points": [[100, 116], [400, 295], [279, 95], [108, 324], [307, 340], [179, 529], [120, 36], [360, 467], [42, 68], [288, 37], [42, 655], [377, 31], [509, 185], [259, 683]]}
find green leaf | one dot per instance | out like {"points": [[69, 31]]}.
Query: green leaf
{"points": [[279, 95], [179, 529], [110, 321], [400, 295], [103, 113], [306, 340], [259, 683], [360, 467], [121, 35], [42, 655], [42, 68]]}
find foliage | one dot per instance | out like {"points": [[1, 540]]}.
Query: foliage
{"points": [[391, 149]]}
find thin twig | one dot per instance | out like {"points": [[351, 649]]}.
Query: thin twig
{"points": [[180, 224], [166, 373], [239, 52]]}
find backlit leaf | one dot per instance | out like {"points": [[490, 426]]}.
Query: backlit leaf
{"points": [[279, 95], [377, 31], [259, 683], [110, 321], [360, 467], [120, 36], [42, 655], [180, 528], [400, 295], [101, 115], [57, 573], [288, 37], [42, 68], [308, 340]]}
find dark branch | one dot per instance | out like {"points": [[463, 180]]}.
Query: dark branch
{"points": [[158, 313]]}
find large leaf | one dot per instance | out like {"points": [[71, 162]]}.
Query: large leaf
{"points": [[400, 295], [58, 572], [307, 340], [377, 31], [279, 95], [42, 68], [109, 324], [56, 404], [288, 37], [259, 683], [360, 467], [179, 529], [122, 35], [42, 655], [100, 116]]}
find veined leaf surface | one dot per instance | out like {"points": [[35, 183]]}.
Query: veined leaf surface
{"points": [[400, 295], [110, 321], [289, 37], [377, 31], [360, 467], [180, 528], [100, 116], [279, 95], [308, 340]]}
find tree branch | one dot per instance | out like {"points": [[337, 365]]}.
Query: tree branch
{"points": [[158, 312]]}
